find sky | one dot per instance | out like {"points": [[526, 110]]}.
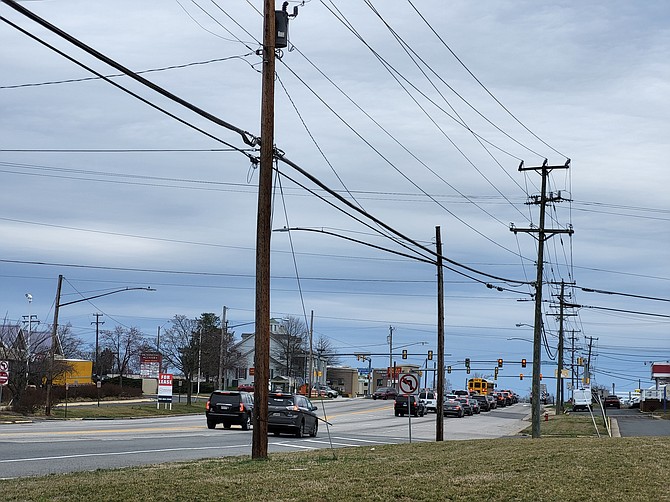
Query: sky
{"points": [[418, 113]]}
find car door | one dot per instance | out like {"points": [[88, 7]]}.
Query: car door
{"points": [[305, 407]]}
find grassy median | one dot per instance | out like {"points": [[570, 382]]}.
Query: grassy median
{"points": [[522, 469]]}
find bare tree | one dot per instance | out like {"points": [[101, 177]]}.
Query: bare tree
{"points": [[290, 347], [327, 352], [70, 345], [217, 346], [126, 344], [180, 346]]}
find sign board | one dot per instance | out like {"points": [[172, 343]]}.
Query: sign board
{"points": [[4, 365], [660, 370], [165, 388], [390, 371], [408, 383], [4, 377], [251, 371], [363, 371], [150, 364]]}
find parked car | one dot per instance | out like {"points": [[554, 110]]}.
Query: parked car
{"points": [[325, 390], [408, 404], [484, 403], [246, 387], [385, 393], [612, 402], [465, 403], [452, 408], [429, 399], [634, 402], [291, 413], [229, 407]]}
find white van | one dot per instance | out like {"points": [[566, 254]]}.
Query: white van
{"points": [[582, 399], [429, 399]]}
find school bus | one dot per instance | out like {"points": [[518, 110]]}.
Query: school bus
{"points": [[481, 386]]}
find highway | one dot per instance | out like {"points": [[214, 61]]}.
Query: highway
{"points": [[56, 446]]}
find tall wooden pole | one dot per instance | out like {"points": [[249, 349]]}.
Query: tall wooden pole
{"points": [[259, 444], [54, 335], [439, 427]]}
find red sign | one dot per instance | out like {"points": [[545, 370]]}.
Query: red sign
{"points": [[251, 371], [660, 370], [4, 377], [165, 379]]}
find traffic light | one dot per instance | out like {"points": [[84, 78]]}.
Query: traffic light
{"points": [[523, 363], [495, 373], [540, 376], [448, 369], [430, 355], [404, 354], [500, 363], [521, 376], [467, 362], [467, 370]]}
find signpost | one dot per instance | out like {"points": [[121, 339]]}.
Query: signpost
{"points": [[408, 384], [164, 390], [4, 376]]}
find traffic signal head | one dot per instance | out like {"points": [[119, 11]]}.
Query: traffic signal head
{"points": [[404, 354], [467, 370], [495, 373], [540, 376], [430, 355], [523, 363], [500, 363], [467, 362], [448, 369], [521, 376]]}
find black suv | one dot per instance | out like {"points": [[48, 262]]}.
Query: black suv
{"points": [[415, 406], [229, 407], [293, 414]]}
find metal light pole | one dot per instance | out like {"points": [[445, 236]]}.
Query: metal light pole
{"points": [[199, 359], [54, 331]]}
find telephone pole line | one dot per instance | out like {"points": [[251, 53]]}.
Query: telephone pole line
{"points": [[439, 429], [543, 234]]}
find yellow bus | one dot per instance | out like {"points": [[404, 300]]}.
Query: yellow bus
{"points": [[481, 386]]}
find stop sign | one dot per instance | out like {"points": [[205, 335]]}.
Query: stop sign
{"points": [[4, 377]]}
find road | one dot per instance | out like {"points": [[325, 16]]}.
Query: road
{"points": [[632, 423], [45, 447]]}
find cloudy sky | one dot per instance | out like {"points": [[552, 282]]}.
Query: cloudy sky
{"points": [[417, 112]]}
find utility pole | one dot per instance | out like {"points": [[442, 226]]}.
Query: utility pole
{"points": [[259, 442], [97, 323], [439, 427], [389, 338], [311, 357], [559, 374], [54, 335], [587, 369], [224, 337], [543, 234]]}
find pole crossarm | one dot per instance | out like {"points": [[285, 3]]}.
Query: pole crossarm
{"points": [[105, 294]]}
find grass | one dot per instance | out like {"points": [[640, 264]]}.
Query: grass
{"points": [[567, 425], [127, 410], [521, 469]]}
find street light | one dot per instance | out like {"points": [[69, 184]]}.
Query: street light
{"points": [[54, 329]]}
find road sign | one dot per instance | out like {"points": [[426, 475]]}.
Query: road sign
{"points": [[408, 383], [4, 377], [4, 365]]}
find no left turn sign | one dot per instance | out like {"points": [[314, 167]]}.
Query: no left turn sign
{"points": [[408, 383], [4, 366]]}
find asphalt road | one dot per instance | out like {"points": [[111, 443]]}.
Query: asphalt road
{"points": [[53, 446], [632, 423]]}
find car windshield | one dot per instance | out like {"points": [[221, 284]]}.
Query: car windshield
{"points": [[225, 398], [280, 401]]}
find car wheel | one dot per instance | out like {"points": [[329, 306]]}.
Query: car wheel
{"points": [[397, 414], [301, 430], [211, 424], [315, 429], [246, 424], [374, 398], [384, 398], [460, 415], [226, 425]]}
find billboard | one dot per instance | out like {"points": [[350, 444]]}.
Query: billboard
{"points": [[150, 364]]}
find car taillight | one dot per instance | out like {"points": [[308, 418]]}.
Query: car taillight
{"points": [[241, 407], [207, 405]]}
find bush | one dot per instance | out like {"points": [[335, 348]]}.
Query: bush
{"points": [[32, 399]]}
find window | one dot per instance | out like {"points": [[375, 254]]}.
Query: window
{"points": [[241, 373]]}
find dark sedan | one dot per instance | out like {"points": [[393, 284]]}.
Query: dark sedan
{"points": [[484, 403], [291, 413], [465, 403], [452, 408], [385, 393]]}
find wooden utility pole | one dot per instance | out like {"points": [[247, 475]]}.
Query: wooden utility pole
{"points": [[54, 337], [559, 375], [224, 343], [543, 234], [259, 443], [439, 428]]}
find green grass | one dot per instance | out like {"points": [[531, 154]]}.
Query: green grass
{"points": [[127, 410], [521, 469]]}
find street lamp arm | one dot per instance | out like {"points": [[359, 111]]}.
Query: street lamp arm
{"points": [[105, 294], [357, 241]]}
